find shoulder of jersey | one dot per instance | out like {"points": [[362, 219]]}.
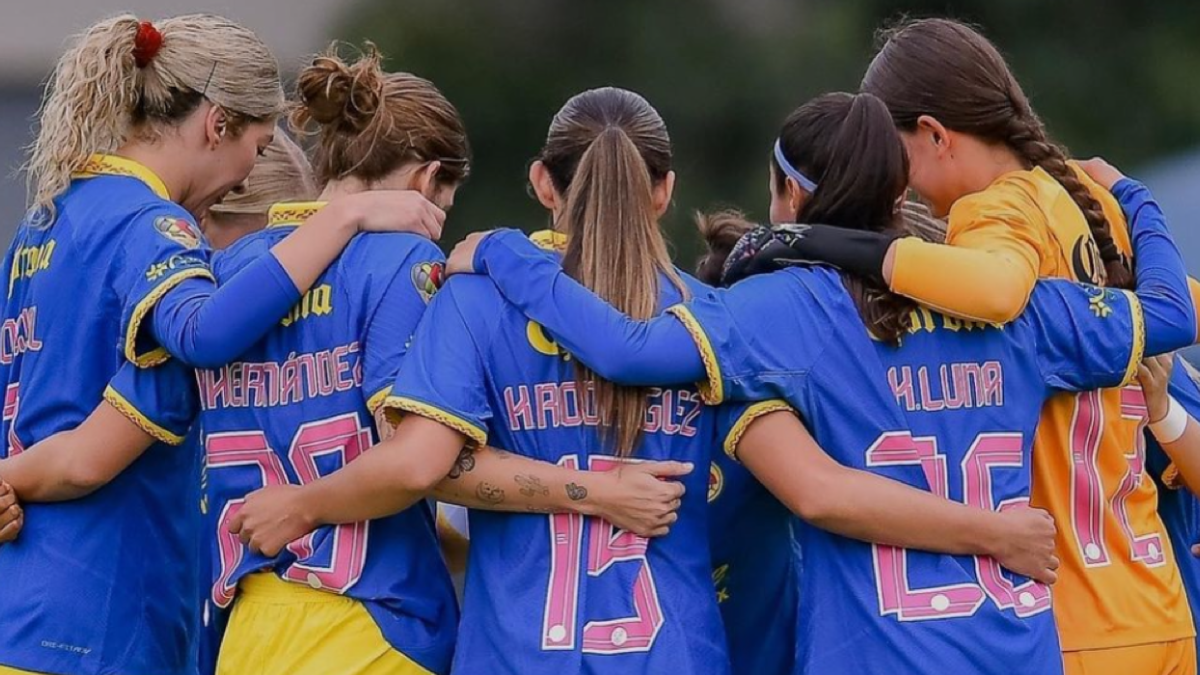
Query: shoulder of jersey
{"points": [[1016, 189], [242, 252]]}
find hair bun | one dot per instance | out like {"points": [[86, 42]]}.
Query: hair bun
{"points": [[343, 96]]}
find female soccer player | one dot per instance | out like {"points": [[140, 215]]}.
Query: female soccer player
{"points": [[1172, 390], [108, 268], [478, 366], [1017, 211], [971, 393]]}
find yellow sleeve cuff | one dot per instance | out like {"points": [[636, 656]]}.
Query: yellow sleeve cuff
{"points": [[472, 431], [712, 391], [1138, 339], [747, 418], [157, 355], [130, 411]]}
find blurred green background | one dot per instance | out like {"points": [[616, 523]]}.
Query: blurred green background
{"points": [[1118, 78]]}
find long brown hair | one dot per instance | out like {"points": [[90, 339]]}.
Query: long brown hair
{"points": [[847, 144], [371, 122], [605, 151], [123, 77], [949, 71]]}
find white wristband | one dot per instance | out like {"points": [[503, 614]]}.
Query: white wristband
{"points": [[1171, 427]]}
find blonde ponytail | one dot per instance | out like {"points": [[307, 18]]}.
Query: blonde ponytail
{"points": [[99, 96]]}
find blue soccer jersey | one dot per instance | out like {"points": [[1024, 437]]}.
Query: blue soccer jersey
{"points": [[300, 404], [754, 569], [952, 410], [1177, 506], [105, 583], [564, 594]]}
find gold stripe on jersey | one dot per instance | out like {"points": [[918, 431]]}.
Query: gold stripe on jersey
{"points": [[129, 410], [477, 434], [549, 240], [747, 418], [111, 165], [292, 213], [378, 398], [1139, 339], [712, 391], [157, 355]]}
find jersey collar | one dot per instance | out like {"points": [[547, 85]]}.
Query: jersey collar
{"points": [[550, 240], [111, 165], [292, 213]]}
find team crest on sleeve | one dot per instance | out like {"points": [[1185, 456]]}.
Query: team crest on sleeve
{"points": [[428, 277], [179, 231], [716, 481]]}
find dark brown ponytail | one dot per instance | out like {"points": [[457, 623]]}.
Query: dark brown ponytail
{"points": [[949, 71], [849, 147]]}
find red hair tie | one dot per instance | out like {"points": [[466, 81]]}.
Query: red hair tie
{"points": [[146, 44]]}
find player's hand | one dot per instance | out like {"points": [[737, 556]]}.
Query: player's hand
{"points": [[1102, 172], [396, 211], [1154, 374], [641, 497], [12, 518], [462, 258], [1026, 543], [272, 518]]}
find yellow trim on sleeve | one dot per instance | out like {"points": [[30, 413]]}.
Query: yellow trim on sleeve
{"points": [[378, 398], [292, 213], [123, 406], [405, 404], [747, 418], [549, 240], [712, 391], [112, 165], [1139, 338], [157, 355], [1171, 477]]}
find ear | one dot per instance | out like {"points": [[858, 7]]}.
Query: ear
{"points": [[424, 180], [662, 193], [796, 195], [543, 186], [937, 134], [216, 126]]}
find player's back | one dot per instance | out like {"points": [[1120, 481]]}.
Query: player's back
{"points": [[298, 405], [566, 594], [69, 296], [754, 568], [798, 334]]}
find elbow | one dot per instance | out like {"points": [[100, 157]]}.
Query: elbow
{"points": [[1004, 305], [82, 479], [816, 501], [421, 479]]}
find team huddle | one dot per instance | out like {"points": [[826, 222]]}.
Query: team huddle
{"points": [[926, 421]]}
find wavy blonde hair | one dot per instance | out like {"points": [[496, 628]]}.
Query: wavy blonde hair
{"points": [[282, 174], [99, 96]]}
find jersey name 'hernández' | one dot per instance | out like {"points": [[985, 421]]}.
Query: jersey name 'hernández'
{"points": [[564, 594], [101, 591], [953, 411], [299, 405]]}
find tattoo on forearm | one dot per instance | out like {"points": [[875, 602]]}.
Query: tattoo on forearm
{"points": [[531, 485], [487, 492], [464, 463], [576, 492]]}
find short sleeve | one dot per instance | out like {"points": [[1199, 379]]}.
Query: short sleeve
{"points": [[761, 337], [397, 310], [443, 375], [163, 247], [160, 400], [1087, 337], [733, 419]]}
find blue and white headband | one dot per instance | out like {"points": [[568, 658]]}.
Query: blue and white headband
{"points": [[791, 171]]}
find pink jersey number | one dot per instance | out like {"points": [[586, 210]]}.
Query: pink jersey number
{"points": [[608, 546], [341, 436], [12, 402], [1087, 491], [896, 596]]}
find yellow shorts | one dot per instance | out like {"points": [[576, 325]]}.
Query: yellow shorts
{"points": [[1159, 658], [281, 628]]}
